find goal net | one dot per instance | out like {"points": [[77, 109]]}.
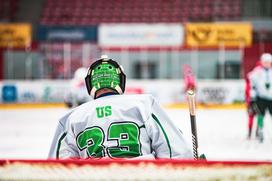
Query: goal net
{"points": [[133, 170]]}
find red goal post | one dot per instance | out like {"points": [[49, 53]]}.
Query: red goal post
{"points": [[164, 169]]}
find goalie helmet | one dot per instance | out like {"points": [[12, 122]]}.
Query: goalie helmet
{"points": [[105, 73]]}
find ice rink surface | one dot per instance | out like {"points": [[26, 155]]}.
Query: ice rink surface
{"points": [[222, 134]]}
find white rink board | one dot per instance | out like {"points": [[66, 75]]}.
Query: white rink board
{"points": [[166, 91]]}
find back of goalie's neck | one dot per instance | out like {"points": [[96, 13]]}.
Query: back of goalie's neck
{"points": [[106, 94]]}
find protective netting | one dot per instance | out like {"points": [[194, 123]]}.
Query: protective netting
{"points": [[133, 170]]}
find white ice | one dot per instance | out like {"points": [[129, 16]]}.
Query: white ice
{"points": [[222, 134]]}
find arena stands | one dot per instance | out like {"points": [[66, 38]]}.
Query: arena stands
{"points": [[58, 26], [8, 9], [87, 12]]}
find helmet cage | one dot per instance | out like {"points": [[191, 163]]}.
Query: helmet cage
{"points": [[122, 77]]}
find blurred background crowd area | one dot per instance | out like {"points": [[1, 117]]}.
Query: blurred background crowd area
{"points": [[152, 39]]}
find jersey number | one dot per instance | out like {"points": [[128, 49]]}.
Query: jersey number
{"points": [[125, 134]]}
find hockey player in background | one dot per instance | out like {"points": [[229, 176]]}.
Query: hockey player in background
{"points": [[261, 91], [114, 125], [189, 79], [251, 108], [76, 94]]}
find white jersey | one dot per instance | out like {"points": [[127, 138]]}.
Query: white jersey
{"points": [[261, 83], [119, 126], [60, 134]]}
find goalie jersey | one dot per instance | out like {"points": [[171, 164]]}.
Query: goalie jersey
{"points": [[119, 126]]}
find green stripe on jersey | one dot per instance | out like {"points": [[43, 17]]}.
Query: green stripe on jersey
{"points": [[59, 143], [164, 133]]}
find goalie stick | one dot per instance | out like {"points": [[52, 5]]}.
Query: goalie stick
{"points": [[192, 107]]}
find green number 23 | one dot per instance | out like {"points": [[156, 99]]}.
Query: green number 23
{"points": [[126, 134]]}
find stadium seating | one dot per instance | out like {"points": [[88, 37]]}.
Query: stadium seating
{"points": [[8, 9], [87, 12]]}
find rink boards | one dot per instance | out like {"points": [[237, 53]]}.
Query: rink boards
{"points": [[164, 169]]}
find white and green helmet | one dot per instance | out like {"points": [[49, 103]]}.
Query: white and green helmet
{"points": [[105, 73]]}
